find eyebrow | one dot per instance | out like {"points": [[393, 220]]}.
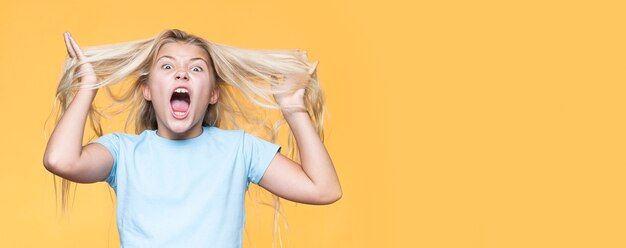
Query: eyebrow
{"points": [[172, 58]]}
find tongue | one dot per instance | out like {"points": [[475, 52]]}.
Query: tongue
{"points": [[179, 105]]}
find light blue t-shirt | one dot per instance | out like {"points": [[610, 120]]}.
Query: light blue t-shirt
{"points": [[184, 193]]}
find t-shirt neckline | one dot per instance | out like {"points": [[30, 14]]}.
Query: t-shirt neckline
{"points": [[159, 139]]}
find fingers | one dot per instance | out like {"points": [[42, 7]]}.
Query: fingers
{"points": [[313, 67], [310, 71], [79, 52], [68, 45], [304, 56], [73, 47], [85, 70]]}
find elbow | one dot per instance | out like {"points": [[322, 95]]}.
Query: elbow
{"points": [[330, 197], [48, 163], [335, 197], [52, 164]]}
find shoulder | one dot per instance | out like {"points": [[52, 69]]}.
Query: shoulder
{"points": [[232, 136], [119, 137]]}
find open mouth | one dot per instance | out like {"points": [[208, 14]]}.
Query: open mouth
{"points": [[180, 102]]}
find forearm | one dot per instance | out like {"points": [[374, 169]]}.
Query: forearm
{"points": [[315, 160], [65, 143]]}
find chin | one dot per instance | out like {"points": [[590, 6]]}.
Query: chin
{"points": [[179, 127], [184, 126]]}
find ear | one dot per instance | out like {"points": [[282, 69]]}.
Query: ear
{"points": [[145, 89], [215, 93]]}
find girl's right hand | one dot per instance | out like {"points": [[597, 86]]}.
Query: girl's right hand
{"points": [[89, 75], [65, 155]]}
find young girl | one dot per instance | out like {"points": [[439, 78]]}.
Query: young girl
{"points": [[181, 180]]}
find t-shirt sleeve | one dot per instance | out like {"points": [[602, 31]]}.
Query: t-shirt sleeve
{"points": [[258, 154], [112, 143]]}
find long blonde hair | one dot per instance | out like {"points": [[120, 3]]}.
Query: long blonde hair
{"points": [[239, 74]]}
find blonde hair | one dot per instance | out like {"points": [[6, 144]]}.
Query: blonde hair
{"points": [[239, 74]]}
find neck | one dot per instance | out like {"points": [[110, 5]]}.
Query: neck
{"points": [[189, 134]]}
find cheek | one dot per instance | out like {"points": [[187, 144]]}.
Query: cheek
{"points": [[204, 95], [157, 83]]}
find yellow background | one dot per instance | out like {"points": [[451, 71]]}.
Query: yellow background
{"points": [[452, 123]]}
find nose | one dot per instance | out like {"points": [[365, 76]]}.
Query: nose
{"points": [[182, 75]]}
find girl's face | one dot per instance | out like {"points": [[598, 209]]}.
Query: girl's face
{"points": [[180, 87]]}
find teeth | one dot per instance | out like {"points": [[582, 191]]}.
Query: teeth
{"points": [[179, 113], [181, 90]]}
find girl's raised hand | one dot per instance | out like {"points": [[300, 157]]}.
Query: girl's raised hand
{"points": [[297, 98], [89, 75]]}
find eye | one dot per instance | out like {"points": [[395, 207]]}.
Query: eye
{"points": [[197, 68], [166, 66]]}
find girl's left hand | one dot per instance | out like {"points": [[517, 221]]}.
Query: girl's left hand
{"points": [[297, 98]]}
